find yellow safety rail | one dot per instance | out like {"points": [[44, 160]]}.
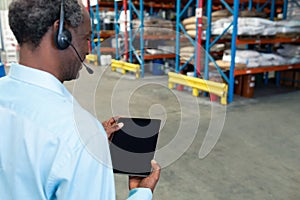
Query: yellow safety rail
{"points": [[92, 58], [219, 89], [125, 66]]}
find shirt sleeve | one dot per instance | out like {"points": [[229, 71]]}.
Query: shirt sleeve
{"points": [[140, 194]]}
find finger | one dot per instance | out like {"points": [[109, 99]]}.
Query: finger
{"points": [[114, 128], [135, 178], [134, 182], [120, 125], [113, 120], [116, 118], [156, 170]]}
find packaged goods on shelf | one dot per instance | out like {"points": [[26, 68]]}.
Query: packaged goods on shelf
{"points": [[251, 13], [155, 26], [288, 27], [166, 48], [255, 59], [293, 10], [218, 26], [255, 21], [155, 51], [191, 26], [288, 23], [187, 54], [217, 48], [220, 14], [187, 51], [226, 65], [290, 52], [255, 26], [252, 26], [190, 23], [268, 59]]}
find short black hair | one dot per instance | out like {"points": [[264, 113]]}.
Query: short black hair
{"points": [[29, 20]]}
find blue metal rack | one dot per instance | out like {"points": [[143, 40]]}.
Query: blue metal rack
{"points": [[117, 29], [179, 27], [95, 17], [197, 44], [209, 43], [131, 51], [181, 11]]}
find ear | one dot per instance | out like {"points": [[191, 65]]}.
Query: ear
{"points": [[54, 28], [56, 25]]}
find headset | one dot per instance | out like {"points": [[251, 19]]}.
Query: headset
{"points": [[63, 37]]}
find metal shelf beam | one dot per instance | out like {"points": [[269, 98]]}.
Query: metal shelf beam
{"points": [[195, 42], [263, 69]]}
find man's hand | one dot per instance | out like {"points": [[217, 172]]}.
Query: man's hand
{"points": [[111, 126], [148, 182]]}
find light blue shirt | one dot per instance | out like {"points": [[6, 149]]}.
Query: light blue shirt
{"points": [[50, 147]]}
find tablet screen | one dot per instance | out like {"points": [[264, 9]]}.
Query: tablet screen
{"points": [[132, 147]]}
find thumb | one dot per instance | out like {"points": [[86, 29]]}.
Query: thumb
{"points": [[120, 125], [156, 169], [116, 127]]}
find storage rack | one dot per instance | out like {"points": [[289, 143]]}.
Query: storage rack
{"points": [[210, 41], [266, 69], [235, 41], [94, 14], [130, 52], [197, 42]]}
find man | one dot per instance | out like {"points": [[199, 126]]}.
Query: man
{"points": [[50, 147]]}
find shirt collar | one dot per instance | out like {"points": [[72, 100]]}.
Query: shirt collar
{"points": [[39, 78]]}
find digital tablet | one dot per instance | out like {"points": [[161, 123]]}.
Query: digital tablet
{"points": [[132, 147]]}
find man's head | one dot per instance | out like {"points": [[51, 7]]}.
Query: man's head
{"points": [[35, 24], [30, 19]]}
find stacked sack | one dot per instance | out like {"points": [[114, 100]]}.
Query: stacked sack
{"points": [[155, 26], [288, 28], [290, 52], [252, 58], [293, 10], [187, 53], [255, 26], [191, 26]]}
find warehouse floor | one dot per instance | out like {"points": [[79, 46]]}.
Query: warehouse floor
{"points": [[258, 142], [256, 155]]}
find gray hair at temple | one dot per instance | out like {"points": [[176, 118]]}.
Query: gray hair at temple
{"points": [[29, 20]]}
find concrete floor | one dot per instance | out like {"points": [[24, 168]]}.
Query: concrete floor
{"points": [[256, 156]]}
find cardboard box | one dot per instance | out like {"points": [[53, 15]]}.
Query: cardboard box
{"points": [[287, 78], [297, 79]]}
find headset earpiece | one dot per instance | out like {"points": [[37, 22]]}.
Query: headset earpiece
{"points": [[63, 40], [63, 37]]}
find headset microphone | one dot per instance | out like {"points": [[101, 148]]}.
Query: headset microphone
{"points": [[90, 71], [63, 37]]}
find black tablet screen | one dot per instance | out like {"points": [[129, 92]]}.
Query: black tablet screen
{"points": [[133, 147]]}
